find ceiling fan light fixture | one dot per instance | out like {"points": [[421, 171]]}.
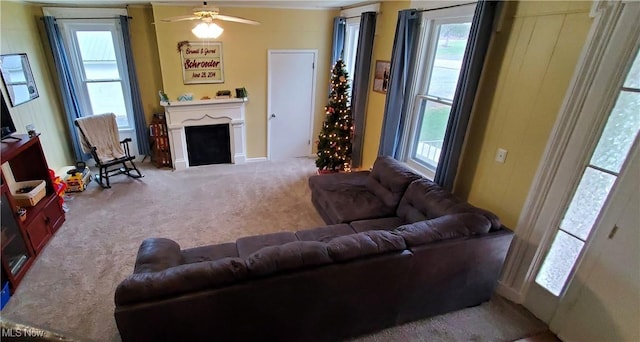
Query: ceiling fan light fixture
{"points": [[207, 30]]}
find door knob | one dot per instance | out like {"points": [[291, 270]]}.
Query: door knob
{"points": [[273, 115]]}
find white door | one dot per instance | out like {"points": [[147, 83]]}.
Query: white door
{"points": [[603, 302], [290, 103], [586, 285]]}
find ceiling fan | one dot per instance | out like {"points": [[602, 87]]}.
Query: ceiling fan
{"points": [[208, 14]]}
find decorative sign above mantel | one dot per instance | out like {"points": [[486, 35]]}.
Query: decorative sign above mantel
{"points": [[201, 62]]}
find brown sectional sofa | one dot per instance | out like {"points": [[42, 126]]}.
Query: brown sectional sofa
{"points": [[387, 197], [415, 251]]}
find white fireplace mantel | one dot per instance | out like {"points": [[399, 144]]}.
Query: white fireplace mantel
{"points": [[200, 113]]}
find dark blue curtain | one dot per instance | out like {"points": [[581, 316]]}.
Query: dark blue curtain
{"points": [[142, 134], [65, 84], [360, 88], [396, 106], [337, 47], [477, 45]]}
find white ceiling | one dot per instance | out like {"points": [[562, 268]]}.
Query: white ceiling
{"points": [[309, 4]]}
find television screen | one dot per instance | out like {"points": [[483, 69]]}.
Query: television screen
{"points": [[7, 123]]}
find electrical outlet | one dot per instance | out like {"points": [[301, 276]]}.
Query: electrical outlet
{"points": [[501, 155]]}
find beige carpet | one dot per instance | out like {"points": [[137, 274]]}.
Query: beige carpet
{"points": [[70, 287]]}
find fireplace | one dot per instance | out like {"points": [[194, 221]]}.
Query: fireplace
{"points": [[184, 120], [209, 144]]}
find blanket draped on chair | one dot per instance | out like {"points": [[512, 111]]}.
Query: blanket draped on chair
{"points": [[101, 131]]}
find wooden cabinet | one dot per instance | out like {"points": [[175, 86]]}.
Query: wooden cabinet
{"points": [[23, 240], [53, 214], [17, 254], [38, 232]]}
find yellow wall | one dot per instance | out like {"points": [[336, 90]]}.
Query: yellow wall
{"points": [[530, 66], [145, 54], [245, 58], [19, 34], [382, 46]]}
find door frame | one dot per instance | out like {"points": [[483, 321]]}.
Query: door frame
{"points": [[546, 201], [271, 52]]}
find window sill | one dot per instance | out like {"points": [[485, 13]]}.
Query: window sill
{"points": [[419, 169]]}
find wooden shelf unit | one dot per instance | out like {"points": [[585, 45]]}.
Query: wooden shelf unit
{"points": [[161, 153], [26, 239]]}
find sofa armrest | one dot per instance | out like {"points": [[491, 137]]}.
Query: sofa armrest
{"points": [[389, 180], [157, 254], [178, 280], [335, 181], [443, 228]]}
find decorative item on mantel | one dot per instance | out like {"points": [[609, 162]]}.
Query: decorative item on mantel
{"points": [[334, 141], [163, 97], [223, 94], [241, 93], [185, 97]]}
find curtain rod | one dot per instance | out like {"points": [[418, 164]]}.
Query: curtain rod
{"points": [[430, 9], [445, 7], [118, 17], [358, 16]]}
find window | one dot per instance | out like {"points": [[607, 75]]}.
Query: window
{"points": [[351, 45], [352, 32], [597, 180], [443, 39], [98, 66]]}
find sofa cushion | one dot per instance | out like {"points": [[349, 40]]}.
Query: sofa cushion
{"points": [[209, 253], [385, 223], [340, 180], [325, 233], [181, 279], [157, 254], [426, 200], [359, 245], [443, 228], [389, 179], [346, 205], [290, 256], [250, 244]]}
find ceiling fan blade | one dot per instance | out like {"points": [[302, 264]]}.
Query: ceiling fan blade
{"points": [[236, 19], [180, 18]]}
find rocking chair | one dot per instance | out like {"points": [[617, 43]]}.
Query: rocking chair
{"points": [[100, 137]]}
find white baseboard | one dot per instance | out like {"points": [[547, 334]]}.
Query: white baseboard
{"points": [[254, 160], [509, 293]]}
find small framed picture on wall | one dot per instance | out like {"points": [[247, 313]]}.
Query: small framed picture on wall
{"points": [[381, 77]]}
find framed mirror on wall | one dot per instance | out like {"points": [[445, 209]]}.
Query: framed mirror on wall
{"points": [[18, 79]]}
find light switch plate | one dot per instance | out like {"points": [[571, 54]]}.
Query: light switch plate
{"points": [[501, 155]]}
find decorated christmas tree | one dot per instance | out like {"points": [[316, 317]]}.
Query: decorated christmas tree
{"points": [[334, 141]]}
